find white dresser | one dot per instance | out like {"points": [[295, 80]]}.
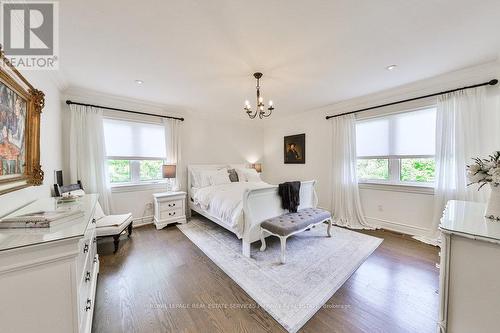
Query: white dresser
{"points": [[169, 207], [48, 276], [470, 270]]}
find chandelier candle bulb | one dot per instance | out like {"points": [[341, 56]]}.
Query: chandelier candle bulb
{"points": [[270, 103]]}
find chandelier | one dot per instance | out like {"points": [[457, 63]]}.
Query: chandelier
{"points": [[260, 103]]}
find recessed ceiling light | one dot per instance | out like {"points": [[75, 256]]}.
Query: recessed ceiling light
{"points": [[391, 67], [139, 82]]}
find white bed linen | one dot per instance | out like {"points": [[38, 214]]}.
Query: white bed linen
{"points": [[225, 202]]}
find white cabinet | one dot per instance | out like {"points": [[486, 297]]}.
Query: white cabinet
{"points": [[48, 277], [470, 270], [169, 207]]}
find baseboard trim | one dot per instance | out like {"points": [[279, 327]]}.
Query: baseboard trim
{"points": [[398, 227], [140, 221]]}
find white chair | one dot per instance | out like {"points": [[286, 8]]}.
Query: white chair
{"points": [[106, 225], [112, 225]]}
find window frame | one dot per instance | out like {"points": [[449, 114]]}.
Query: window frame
{"points": [[135, 172], [395, 171], [394, 161]]}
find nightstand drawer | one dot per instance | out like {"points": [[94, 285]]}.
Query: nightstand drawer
{"points": [[172, 213], [171, 205]]}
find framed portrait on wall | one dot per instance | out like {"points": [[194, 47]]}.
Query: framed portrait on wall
{"points": [[294, 149], [20, 109]]}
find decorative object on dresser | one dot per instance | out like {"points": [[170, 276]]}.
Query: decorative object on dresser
{"points": [[20, 108], [469, 287], [48, 276], [169, 207], [487, 171], [294, 149], [41, 219], [106, 225]]}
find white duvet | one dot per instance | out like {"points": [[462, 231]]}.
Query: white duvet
{"points": [[225, 201]]}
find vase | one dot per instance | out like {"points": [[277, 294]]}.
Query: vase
{"points": [[493, 208]]}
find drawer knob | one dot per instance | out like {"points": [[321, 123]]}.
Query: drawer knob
{"points": [[89, 303], [95, 259], [94, 240], [86, 248], [171, 205], [171, 214], [87, 277], [93, 221]]}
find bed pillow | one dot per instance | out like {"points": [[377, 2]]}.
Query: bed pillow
{"points": [[252, 175], [220, 177], [248, 175], [242, 177], [203, 179], [233, 175]]}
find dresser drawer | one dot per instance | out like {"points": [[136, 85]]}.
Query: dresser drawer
{"points": [[171, 205], [86, 247], [172, 213]]}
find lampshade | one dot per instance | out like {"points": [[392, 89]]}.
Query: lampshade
{"points": [[168, 171], [257, 167]]}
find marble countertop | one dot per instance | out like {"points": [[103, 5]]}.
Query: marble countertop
{"points": [[466, 218], [14, 238]]}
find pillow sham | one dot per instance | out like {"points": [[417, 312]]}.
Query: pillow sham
{"points": [[219, 177], [248, 175], [252, 175]]}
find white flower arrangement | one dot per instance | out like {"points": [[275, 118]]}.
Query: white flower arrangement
{"points": [[485, 171]]}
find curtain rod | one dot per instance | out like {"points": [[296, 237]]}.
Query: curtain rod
{"points": [[489, 83], [123, 110]]}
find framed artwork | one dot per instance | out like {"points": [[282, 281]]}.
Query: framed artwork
{"points": [[20, 109], [294, 149]]}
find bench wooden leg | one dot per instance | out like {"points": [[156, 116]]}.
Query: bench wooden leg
{"points": [[283, 249], [329, 230], [116, 241], [262, 240], [130, 229]]}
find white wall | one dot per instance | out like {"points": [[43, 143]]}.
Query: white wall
{"points": [[402, 211], [50, 143], [205, 139]]}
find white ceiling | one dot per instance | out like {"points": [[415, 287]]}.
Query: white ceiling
{"points": [[200, 54]]}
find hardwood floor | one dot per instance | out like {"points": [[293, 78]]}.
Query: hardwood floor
{"points": [[159, 281]]}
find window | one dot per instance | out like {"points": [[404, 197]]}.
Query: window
{"points": [[135, 151], [397, 149]]}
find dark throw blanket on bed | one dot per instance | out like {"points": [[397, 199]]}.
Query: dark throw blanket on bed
{"points": [[290, 195]]}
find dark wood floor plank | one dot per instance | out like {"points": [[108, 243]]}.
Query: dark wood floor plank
{"points": [[159, 281]]}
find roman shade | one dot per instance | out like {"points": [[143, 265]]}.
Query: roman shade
{"points": [[399, 135], [134, 140]]}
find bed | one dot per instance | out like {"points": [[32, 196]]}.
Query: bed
{"points": [[241, 206]]}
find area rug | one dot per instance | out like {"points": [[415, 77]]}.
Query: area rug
{"points": [[291, 293]]}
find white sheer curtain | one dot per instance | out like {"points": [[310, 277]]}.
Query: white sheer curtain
{"points": [[346, 203], [87, 152], [173, 147], [461, 134]]}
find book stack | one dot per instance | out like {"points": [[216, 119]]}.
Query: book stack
{"points": [[41, 219]]}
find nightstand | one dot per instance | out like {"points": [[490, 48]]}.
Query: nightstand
{"points": [[169, 207]]}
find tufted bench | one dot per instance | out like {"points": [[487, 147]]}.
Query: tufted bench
{"points": [[289, 224]]}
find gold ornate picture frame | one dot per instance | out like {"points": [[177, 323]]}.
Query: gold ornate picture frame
{"points": [[20, 109]]}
